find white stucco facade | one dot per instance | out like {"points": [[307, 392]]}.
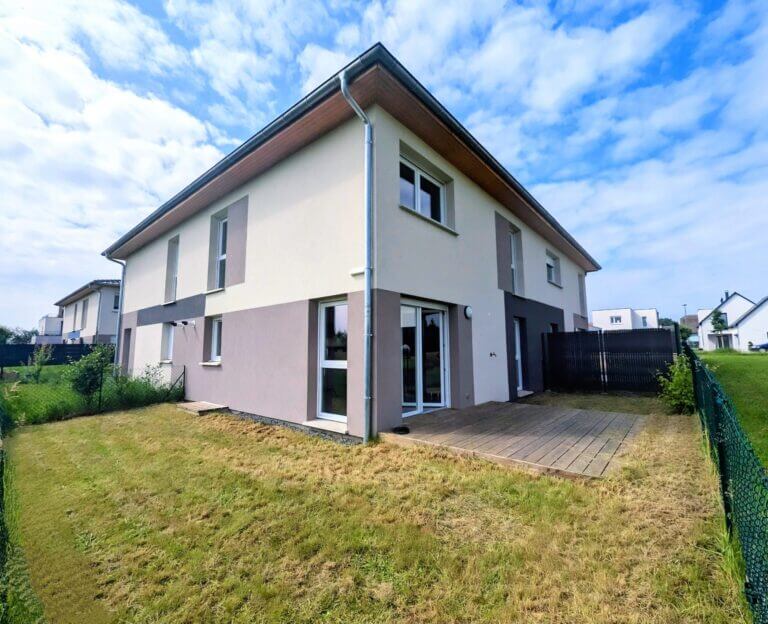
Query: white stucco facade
{"points": [[625, 318], [93, 316]]}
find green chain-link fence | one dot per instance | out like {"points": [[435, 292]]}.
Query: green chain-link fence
{"points": [[743, 482]]}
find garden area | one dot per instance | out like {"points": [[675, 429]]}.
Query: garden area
{"points": [[155, 515], [41, 392], [744, 376]]}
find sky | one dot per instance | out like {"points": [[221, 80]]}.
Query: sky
{"points": [[641, 126]]}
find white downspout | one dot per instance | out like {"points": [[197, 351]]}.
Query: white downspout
{"points": [[368, 326], [119, 311]]}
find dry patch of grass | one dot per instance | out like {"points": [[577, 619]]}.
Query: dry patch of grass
{"points": [[615, 402], [155, 515]]}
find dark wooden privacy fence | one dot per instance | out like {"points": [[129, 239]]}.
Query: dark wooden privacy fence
{"points": [[17, 355], [606, 361]]}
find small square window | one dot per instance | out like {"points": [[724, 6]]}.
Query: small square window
{"points": [[429, 201], [553, 269], [615, 320]]}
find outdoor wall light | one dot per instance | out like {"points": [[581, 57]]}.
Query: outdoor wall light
{"points": [[468, 312]]}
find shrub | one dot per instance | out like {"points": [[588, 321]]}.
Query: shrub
{"points": [[677, 387], [40, 357], [87, 375]]}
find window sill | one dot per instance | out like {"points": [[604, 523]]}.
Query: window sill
{"points": [[166, 362], [210, 363], [437, 224], [171, 302], [555, 284], [214, 291]]}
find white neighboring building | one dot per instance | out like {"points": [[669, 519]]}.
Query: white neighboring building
{"points": [[90, 313], [733, 307], [625, 318], [752, 327], [49, 329]]}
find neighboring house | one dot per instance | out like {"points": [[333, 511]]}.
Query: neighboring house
{"points": [[625, 318], [733, 308], [752, 326], [691, 321], [252, 279], [90, 313], [49, 329]]}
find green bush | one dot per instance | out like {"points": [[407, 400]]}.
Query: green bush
{"points": [[87, 375], [677, 387]]}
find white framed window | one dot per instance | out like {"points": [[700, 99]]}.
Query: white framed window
{"points": [[422, 193], [116, 302], [553, 269], [615, 320], [644, 320], [332, 361], [216, 333], [516, 261], [84, 315], [74, 318], [172, 269], [582, 295], [166, 347], [221, 252]]}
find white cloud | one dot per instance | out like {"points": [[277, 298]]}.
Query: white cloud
{"points": [[318, 64], [121, 36], [83, 160]]}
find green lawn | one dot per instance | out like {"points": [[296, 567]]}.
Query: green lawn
{"points": [[155, 515], [744, 376]]}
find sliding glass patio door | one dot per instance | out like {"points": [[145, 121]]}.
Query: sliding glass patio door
{"points": [[424, 360]]}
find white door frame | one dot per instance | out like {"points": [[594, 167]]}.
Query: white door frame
{"points": [[518, 355], [445, 358], [322, 363]]}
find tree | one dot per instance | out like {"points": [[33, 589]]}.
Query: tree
{"points": [[719, 325], [22, 336], [6, 333], [685, 332], [665, 322]]}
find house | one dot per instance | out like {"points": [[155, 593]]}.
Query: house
{"points": [[361, 259], [90, 313], [691, 321], [752, 327], [733, 308], [49, 329], [625, 318]]}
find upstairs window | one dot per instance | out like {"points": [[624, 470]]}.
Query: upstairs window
{"points": [[582, 295], [172, 269], [221, 252], [553, 269], [516, 261], [644, 319], [421, 192], [116, 302], [74, 318], [84, 316], [615, 320]]}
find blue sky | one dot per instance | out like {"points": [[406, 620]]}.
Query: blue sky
{"points": [[640, 125]]}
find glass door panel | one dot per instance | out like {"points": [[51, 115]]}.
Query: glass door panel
{"points": [[423, 358], [332, 388]]}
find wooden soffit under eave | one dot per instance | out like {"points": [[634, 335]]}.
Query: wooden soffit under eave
{"points": [[414, 115], [311, 126]]}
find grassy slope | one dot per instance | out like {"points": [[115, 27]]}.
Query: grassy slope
{"points": [[745, 379], [158, 516]]}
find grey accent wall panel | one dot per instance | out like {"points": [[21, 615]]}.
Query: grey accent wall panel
{"points": [[187, 308], [537, 318], [237, 233]]}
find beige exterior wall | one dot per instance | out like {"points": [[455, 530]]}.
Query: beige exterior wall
{"points": [[107, 320], [420, 259], [305, 234]]}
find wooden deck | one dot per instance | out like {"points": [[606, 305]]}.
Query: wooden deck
{"points": [[542, 439]]}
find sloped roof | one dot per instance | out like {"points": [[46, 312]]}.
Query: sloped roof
{"points": [[722, 303], [87, 289], [754, 308], [209, 186]]}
